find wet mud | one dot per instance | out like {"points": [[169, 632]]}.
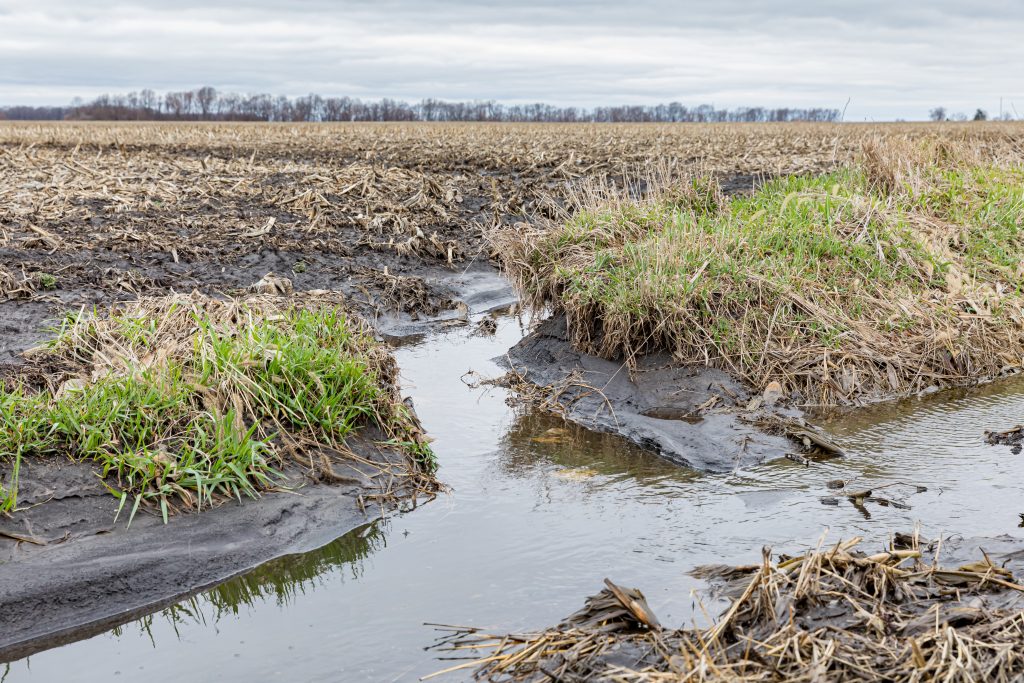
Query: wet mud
{"points": [[83, 229], [72, 566], [540, 511], [694, 417]]}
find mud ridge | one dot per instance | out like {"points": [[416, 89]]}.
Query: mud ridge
{"points": [[695, 417], [76, 572]]}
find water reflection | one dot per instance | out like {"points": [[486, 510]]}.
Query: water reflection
{"points": [[286, 577], [279, 581], [1001, 397]]}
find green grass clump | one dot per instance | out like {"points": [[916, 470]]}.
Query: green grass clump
{"points": [[845, 287], [46, 280], [193, 400], [986, 206]]}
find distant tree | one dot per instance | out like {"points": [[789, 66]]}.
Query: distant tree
{"points": [[981, 115], [205, 98], [174, 104], [32, 113], [282, 108], [149, 101], [937, 114]]}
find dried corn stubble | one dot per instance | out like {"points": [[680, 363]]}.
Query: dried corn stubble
{"points": [[170, 205], [834, 613], [397, 184]]}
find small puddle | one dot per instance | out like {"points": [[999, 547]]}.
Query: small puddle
{"points": [[539, 513]]}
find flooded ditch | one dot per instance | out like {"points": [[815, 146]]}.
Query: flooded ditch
{"points": [[539, 512]]}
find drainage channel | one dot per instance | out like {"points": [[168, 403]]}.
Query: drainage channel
{"points": [[538, 513]]}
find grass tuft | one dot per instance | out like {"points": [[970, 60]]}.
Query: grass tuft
{"points": [[191, 400]]}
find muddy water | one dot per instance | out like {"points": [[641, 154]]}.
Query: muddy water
{"points": [[537, 516]]}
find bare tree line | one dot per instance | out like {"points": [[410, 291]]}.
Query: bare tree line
{"points": [[208, 104], [941, 114], [24, 113]]}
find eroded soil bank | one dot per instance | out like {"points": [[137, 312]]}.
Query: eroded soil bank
{"points": [[400, 246], [92, 573], [68, 559], [775, 295], [94, 215]]}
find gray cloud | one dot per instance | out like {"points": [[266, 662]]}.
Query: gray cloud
{"points": [[894, 59]]}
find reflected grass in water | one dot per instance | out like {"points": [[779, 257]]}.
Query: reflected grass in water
{"points": [[280, 580], [537, 441]]}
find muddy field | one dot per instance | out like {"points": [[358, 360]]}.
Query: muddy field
{"points": [[397, 218], [385, 213], [94, 212]]}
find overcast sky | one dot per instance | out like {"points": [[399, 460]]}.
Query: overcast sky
{"points": [[893, 59]]}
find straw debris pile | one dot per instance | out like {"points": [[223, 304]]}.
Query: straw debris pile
{"points": [[833, 613]]}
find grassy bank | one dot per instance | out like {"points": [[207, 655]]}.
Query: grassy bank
{"points": [[185, 401], [880, 279]]}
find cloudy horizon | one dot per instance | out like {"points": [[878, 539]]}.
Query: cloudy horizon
{"points": [[890, 60]]}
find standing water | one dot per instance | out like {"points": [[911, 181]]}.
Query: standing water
{"points": [[538, 514]]}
